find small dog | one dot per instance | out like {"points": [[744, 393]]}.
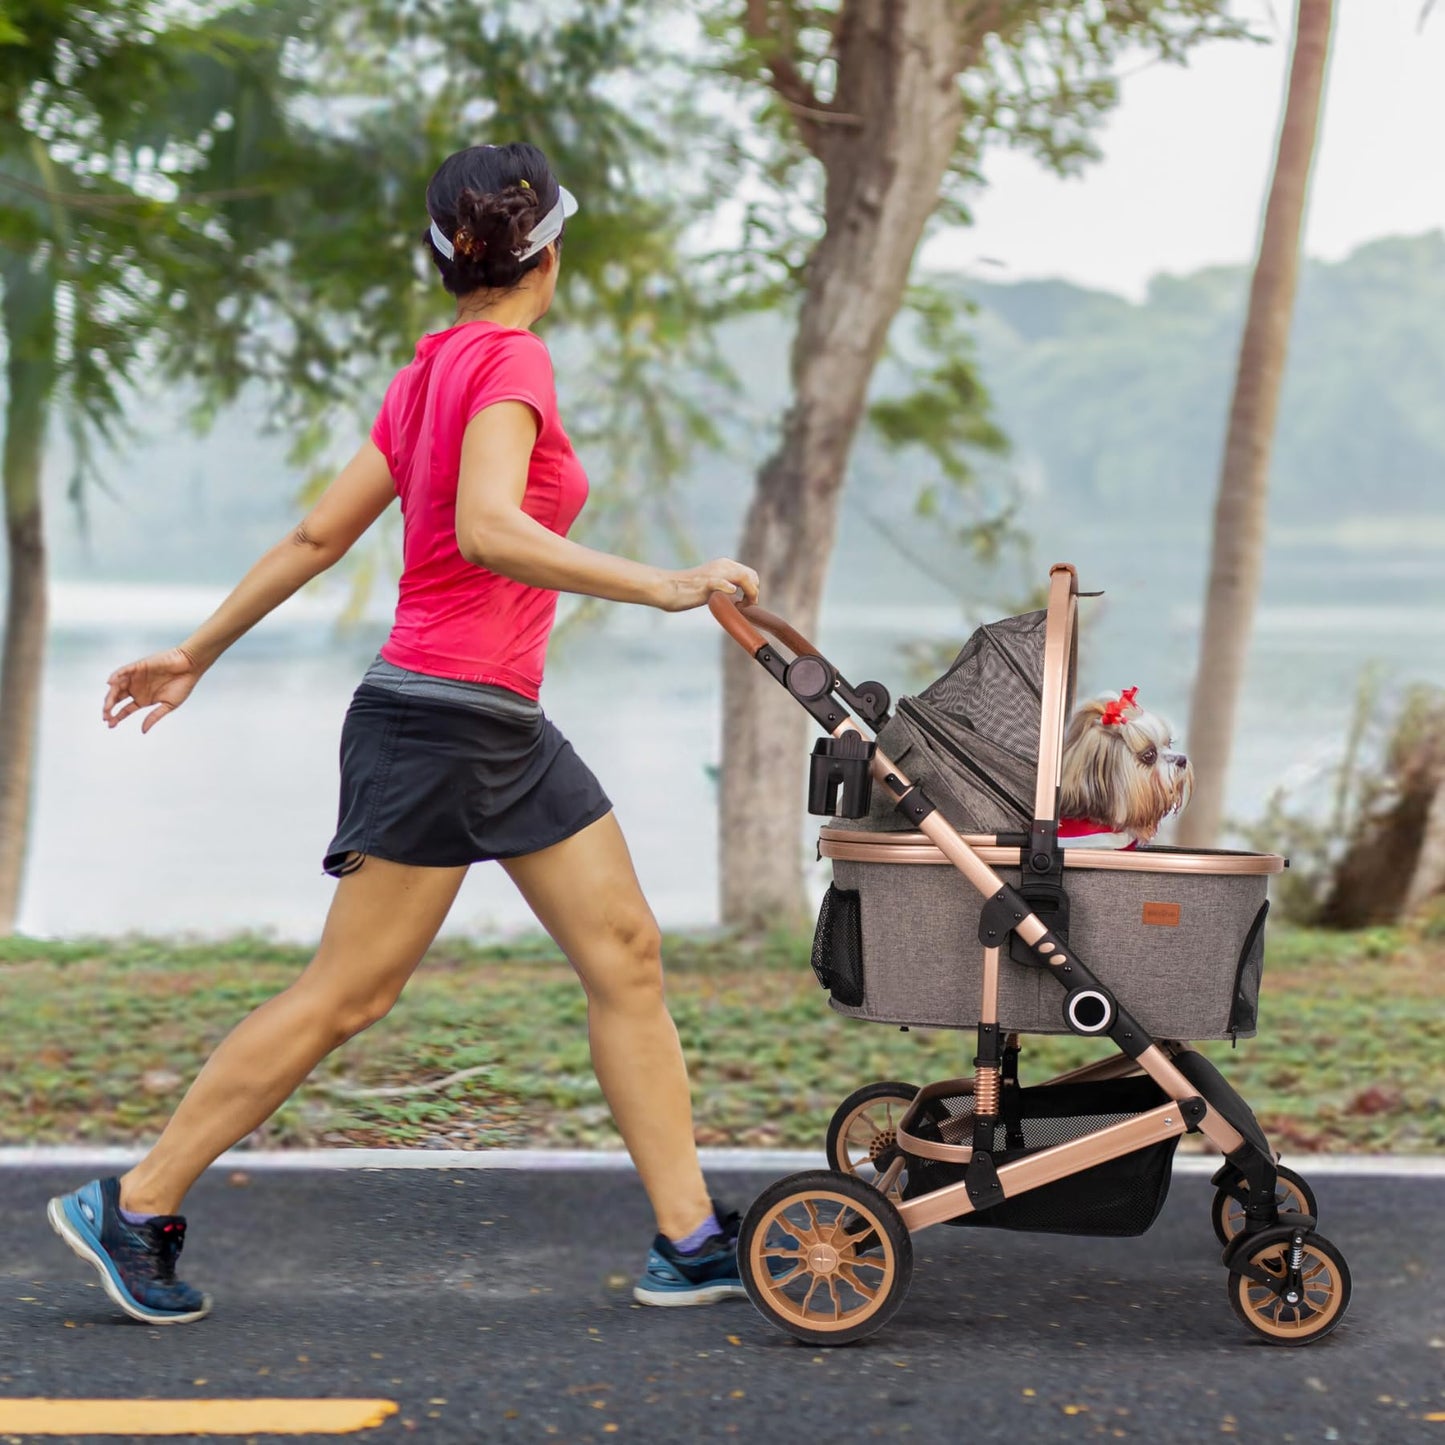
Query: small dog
{"points": [[1120, 776]]}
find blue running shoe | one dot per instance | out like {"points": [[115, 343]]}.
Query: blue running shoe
{"points": [[700, 1278], [136, 1262]]}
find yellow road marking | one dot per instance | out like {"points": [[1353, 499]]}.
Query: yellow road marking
{"points": [[192, 1417]]}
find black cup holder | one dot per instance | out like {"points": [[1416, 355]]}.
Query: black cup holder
{"points": [[841, 763]]}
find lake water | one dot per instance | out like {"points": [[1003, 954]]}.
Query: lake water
{"points": [[217, 820]]}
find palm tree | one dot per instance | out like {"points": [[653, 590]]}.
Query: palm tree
{"points": [[106, 114], [1237, 556]]}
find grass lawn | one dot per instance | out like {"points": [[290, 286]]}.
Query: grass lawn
{"points": [[99, 1039]]}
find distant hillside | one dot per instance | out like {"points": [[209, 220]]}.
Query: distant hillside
{"points": [[1124, 405], [1116, 411]]}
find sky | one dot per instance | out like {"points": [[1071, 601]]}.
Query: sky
{"points": [[1187, 157]]}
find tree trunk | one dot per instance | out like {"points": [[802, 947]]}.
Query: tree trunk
{"points": [[1239, 517], [884, 161], [1427, 881], [29, 320]]}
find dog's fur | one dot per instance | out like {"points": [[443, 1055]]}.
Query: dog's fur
{"points": [[1124, 775]]}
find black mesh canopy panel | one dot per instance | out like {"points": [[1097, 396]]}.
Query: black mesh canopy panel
{"points": [[971, 739]]}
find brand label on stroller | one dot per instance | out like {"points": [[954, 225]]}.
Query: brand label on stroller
{"points": [[1164, 914]]}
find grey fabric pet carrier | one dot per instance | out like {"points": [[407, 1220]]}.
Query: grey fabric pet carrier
{"points": [[1177, 936]]}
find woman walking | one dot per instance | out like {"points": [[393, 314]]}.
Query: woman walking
{"points": [[446, 756]]}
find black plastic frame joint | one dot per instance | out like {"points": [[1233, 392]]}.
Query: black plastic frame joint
{"points": [[990, 1048], [1000, 915], [1194, 1111], [774, 664], [914, 804], [1044, 855], [981, 1180], [870, 700]]}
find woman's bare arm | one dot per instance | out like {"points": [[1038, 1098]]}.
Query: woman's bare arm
{"points": [[360, 494], [162, 682], [494, 532]]}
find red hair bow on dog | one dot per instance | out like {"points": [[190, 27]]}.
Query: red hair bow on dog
{"points": [[1114, 711]]}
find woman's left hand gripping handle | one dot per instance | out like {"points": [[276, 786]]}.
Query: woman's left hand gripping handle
{"points": [[161, 682]]}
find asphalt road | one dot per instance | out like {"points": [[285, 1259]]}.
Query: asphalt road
{"points": [[495, 1306]]}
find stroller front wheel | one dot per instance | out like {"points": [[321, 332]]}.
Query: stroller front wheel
{"points": [[1292, 1194], [825, 1257], [1293, 1295]]}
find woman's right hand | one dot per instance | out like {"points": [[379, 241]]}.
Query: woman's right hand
{"points": [[161, 682], [682, 591]]}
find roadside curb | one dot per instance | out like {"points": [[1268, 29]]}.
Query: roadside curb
{"points": [[756, 1161]]}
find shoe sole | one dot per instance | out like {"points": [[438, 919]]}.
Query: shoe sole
{"points": [[60, 1223], [678, 1299]]}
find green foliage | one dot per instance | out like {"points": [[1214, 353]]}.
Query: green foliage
{"points": [[1037, 75], [235, 198], [1394, 748], [106, 1036]]}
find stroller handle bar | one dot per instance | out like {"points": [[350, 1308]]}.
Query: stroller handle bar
{"points": [[742, 620]]}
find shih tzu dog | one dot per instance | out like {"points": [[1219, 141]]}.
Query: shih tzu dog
{"points": [[1121, 778]]}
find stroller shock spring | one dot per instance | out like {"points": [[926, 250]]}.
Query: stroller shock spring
{"points": [[985, 1091]]}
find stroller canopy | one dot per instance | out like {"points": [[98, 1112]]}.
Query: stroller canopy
{"points": [[971, 739]]}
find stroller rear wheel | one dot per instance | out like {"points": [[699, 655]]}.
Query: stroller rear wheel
{"points": [[863, 1135], [1291, 1192], [1302, 1292], [825, 1257]]}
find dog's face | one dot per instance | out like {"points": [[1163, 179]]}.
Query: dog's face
{"points": [[1120, 768]]}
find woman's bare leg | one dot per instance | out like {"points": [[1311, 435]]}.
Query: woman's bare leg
{"points": [[382, 920], [586, 895]]}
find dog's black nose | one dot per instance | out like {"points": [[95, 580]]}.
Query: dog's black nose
{"points": [[1180, 761]]}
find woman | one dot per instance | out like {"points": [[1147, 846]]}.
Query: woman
{"points": [[446, 757]]}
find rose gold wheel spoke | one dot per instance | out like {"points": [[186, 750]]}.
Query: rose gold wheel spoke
{"points": [[868, 1293], [782, 1279], [808, 1297]]}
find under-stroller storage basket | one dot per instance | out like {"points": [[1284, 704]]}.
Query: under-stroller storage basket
{"points": [[1177, 936], [1118, 1197]]}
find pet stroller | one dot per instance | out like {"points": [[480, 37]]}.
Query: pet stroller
{"points": [[1146, 948]]}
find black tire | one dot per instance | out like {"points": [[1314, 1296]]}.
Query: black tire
{"points": [[1292, 1193], [841, 1128], [866, 1271], [1326, 1294]]}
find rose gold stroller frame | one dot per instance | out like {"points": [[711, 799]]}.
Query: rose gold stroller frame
{"points": [[1197, 1098]]}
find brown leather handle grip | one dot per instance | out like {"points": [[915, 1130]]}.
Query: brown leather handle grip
{"points": [[743, 620], [730, 614]]}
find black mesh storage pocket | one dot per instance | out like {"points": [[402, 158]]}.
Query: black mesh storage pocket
{"points": [[838, 945], [1118, 1197], [1244, 1011]]}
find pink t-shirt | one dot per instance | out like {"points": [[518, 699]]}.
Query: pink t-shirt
{"points": [[453, 618]]}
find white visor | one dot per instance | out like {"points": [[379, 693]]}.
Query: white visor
{"points": [[542, 234]]}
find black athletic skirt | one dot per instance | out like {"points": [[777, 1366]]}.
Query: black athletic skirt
{"points": [[439, 774]]}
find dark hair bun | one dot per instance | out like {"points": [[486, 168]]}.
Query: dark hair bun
{"points": [[486, 200], [491, 230]]}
